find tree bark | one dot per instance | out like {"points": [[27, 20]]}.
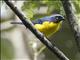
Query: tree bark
{"points": [[70, 15]]}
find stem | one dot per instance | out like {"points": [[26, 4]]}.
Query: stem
{"points": [[42, 48], [35, 56]]}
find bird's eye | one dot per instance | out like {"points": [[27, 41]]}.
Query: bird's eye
{"points": [[57, 17]]}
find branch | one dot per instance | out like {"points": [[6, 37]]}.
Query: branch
{"points": [[67, 5], [39, 35]]}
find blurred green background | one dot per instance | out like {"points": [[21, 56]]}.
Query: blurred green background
{"points": [[63, 39]]}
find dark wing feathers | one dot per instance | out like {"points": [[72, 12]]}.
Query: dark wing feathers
{"points": [[41, 20]]}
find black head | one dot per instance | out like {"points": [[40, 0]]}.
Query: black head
{"points": [[57, 18]]}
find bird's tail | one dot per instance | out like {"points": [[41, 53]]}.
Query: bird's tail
{"points": [[17, 23]]}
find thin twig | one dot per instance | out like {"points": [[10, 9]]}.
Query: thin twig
{"points": [[67, 5], [39, 35]]}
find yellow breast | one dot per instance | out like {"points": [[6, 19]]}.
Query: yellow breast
{"points": [[48, 28]]}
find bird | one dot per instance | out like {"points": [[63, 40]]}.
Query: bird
{"points": [[47, 25]]}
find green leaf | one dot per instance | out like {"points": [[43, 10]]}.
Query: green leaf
{"points": [[29, 13]]}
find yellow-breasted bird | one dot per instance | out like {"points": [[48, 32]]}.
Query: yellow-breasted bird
{"points": [[47, 25]]}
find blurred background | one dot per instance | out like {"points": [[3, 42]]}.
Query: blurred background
{"points": [[18, 43]]}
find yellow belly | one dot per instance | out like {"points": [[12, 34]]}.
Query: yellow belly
{"points": [[48, 28]]}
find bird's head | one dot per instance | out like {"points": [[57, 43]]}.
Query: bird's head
{"points": [[57, 18]]}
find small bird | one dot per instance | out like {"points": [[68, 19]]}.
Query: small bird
{"points": [[47, 25]]}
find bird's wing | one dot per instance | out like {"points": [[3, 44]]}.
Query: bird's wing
{"points": [[41, 20]]}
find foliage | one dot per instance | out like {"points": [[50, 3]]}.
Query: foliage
{"points": [[6, 50], [77, 6], [53, 7]]}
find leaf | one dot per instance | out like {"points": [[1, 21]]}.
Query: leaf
{"points": [[29, 13]]}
